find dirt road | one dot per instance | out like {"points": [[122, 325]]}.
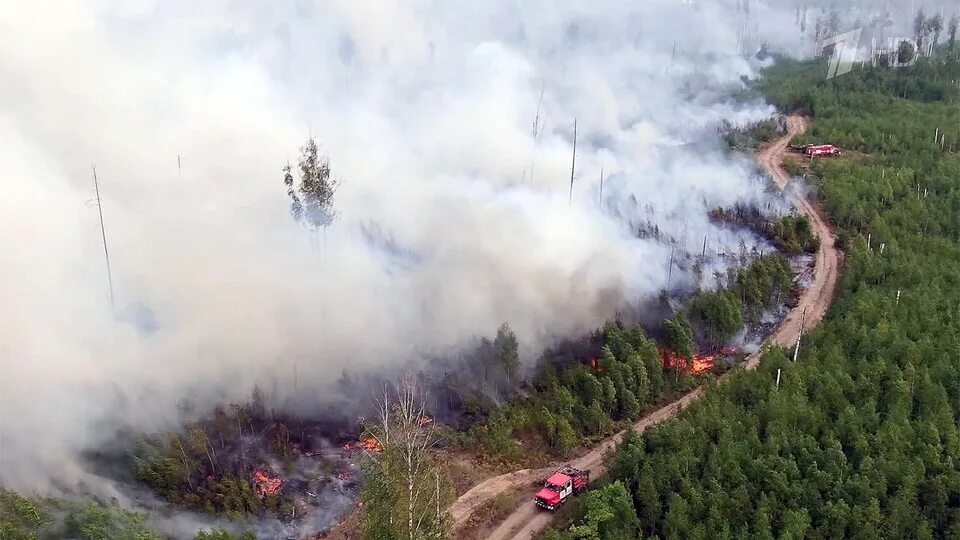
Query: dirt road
{"points": [[527, 520], [816, 299]]}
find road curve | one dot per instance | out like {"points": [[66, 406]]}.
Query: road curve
{"points": [[527, 520]]}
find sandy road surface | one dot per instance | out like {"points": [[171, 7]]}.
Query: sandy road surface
{"points": [[527, 520], [816, 299]]}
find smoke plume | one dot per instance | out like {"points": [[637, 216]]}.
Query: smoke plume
{"points": [[450, 126]]}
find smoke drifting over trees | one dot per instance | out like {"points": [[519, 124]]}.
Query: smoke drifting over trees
{"points": [[451, 220]]}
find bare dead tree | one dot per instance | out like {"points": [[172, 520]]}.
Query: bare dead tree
{"points": [[536, 130], [537, 126], [103, 233], [601, 188], [573, 160]]}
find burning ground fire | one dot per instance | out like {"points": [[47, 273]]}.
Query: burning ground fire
{"points": [[700, 363], [595, 365], [266, 485], [302, 476], [369, 444], [321, 486]]}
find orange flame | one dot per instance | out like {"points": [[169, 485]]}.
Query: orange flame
{"points": [[265, 485], [700, 363], [369, 444]]}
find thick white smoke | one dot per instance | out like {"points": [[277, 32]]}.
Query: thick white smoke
{"points": [[453, 215]]}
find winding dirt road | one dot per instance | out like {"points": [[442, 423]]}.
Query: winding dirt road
{"points": [[816, 299], [527, 520]]}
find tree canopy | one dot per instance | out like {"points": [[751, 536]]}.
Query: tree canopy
{"points": [[861, 438]]}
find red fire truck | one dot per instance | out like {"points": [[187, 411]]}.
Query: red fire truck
{"points": [[817, 150], [562, 485]]}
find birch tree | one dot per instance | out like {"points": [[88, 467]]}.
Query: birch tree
{"points": [[405, 496]]}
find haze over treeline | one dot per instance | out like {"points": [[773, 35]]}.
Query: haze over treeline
{"points": [[450, 127]]}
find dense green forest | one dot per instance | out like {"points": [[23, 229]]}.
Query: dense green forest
{"points": [[22, 518], [860, 439], [570, 404]]}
